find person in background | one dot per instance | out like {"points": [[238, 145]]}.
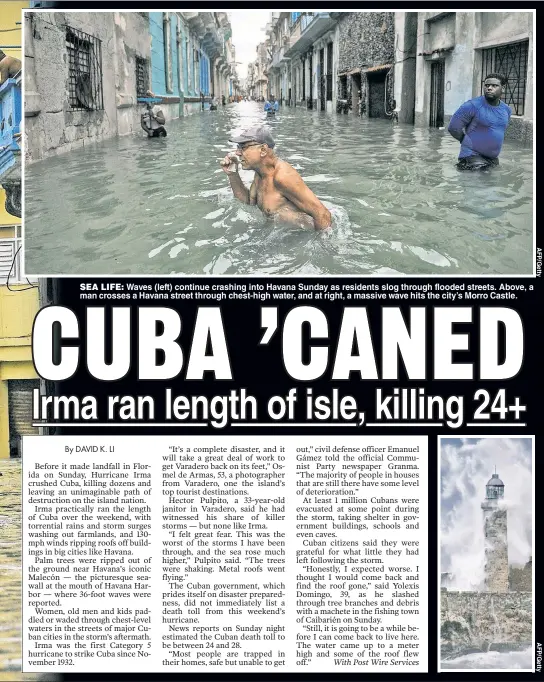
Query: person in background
{"points": [[277, 188], [271, 106], [152, 120], [480, 124]]}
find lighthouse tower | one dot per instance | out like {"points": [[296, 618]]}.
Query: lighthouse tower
{"points": [[495, 532]]}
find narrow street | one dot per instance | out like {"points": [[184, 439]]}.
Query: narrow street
{"points": [[163, 206]]}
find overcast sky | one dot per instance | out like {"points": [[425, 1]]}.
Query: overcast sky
{"points": [[247, 33]]}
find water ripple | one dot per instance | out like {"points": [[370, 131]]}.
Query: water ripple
{"points": [[115, 206]]}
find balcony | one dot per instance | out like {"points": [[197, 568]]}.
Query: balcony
{"points": [[199, 21], [307, 30], [10, 151], [279, 58], [212, 41]]}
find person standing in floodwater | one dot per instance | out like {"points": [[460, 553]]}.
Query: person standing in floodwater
{"points": [[271, 106], [277, 189], [152, 120], [479, 124]]}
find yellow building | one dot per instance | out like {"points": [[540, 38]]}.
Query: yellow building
{"points": [[19, 300]]}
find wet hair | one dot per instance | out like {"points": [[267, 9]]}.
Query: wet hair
{"points": [[498, 76]]}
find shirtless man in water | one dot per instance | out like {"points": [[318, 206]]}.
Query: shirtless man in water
{"points": [[277, 189]]}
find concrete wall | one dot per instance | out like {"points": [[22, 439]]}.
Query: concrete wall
{"points": [[405, 68], [469, 32], [131, 40], [51, 125], [441, 32], [499, 28], [480, 619], [365, 39]]}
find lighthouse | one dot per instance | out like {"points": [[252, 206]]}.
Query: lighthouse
{"points": [[495, 533]]}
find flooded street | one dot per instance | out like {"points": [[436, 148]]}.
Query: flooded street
{"points": [[133, 205]]}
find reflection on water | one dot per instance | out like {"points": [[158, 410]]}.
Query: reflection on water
{"points": [[10, 576], [134, 205]]}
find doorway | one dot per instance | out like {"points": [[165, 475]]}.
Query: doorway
{"points": [[436, 118], [376, 94]]}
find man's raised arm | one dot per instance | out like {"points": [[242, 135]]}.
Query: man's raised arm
{"points": [[230, 166]]}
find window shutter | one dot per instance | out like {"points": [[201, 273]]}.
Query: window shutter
{"points": [[7, 254]]}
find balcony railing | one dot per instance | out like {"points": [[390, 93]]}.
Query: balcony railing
{"points": [[10, 152]]}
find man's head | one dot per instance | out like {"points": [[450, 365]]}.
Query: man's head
{"points": [[493, 86], [254, 145]]}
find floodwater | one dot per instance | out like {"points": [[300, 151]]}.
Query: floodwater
{"points": [[133, 205]]}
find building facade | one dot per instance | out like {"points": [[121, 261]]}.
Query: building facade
{"points": [[333, 62], [82, 74], [87, 73], [454, 53], [366, 60], [410, 67], [192, 60]]}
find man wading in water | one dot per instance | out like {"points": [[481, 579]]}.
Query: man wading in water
{"points": [[152, 121], [480, 124], [277, 188]]}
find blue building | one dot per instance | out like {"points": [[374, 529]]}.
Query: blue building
{"points": [[185, 50], [10, 151]]}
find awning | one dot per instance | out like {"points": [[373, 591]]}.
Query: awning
{"points": [[381, 67], [351, 72]]}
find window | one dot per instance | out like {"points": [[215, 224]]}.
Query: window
{"points": [[511, 62], [142, 77], [10, 259], [84, 70]]}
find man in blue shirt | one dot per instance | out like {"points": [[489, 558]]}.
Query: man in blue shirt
{"points": [[271, 105], [480, 124]]}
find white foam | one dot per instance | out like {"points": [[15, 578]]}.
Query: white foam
{"points": [[430, 256], [214, 214], [321, 178], [176, 249], [154, 252]]}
